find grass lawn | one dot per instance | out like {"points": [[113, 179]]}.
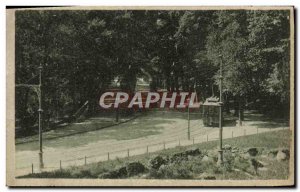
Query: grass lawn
{"points": [[97, 123], [270, 140], [90, 124], [92, 130]]}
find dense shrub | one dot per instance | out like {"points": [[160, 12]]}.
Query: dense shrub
{"points": [[156, 162], [122, 172], [241, 163], [135, 168], [228, 162], [174, 171], [192, 152]]}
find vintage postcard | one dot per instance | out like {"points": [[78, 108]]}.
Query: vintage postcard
{"points": [[150, 96]]}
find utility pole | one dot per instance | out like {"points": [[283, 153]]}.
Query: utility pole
{"points": [[40, 120], [38, 90], [220, 158]]}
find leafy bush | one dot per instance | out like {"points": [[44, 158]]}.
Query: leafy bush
{"points": [[122, 172], [241, 163], [228, 161], [156, 162], [174, 171], [135, 168]]}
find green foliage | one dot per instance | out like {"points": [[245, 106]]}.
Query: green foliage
{"points": [[228, 160], [135, 168], [171, 171], [82, 52], [253, 47], [157, 162]]}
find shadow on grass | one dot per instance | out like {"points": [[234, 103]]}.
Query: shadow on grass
{"points": [[141, 127]]}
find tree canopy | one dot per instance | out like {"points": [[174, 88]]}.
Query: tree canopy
{"points": [[82, 52]]}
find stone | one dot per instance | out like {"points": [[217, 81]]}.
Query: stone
{"points": [[234, 151], [205, 158], [281, 156], [227, 147], [235, 148]]}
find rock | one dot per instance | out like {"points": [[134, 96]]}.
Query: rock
{"points": [[252, 151], [135, 168], [235, 151], [156, 162], [205, 158], [227, 147], [281, 156], [235, 148]]}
